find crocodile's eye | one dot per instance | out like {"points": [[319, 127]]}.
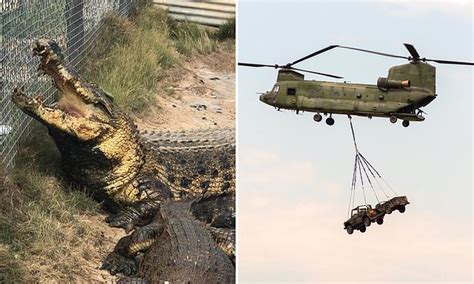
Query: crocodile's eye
{"points": [[40, 49]]}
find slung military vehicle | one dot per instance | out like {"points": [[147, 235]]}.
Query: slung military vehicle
{"points": [[359, 219], [397, 203], [400, 95]]}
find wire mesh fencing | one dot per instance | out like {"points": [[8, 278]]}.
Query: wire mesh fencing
{"points": [[73, 24]]}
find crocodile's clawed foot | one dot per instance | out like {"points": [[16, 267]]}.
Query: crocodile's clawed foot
{"points": [[121, 220], [116, 263], [140, 214]]}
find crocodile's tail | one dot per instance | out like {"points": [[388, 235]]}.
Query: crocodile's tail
{"points": [[186, 139]]}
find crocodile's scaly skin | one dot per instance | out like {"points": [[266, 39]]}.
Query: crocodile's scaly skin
{"points": [[128, 171], [185, 245]]}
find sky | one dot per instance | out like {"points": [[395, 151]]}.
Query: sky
{"points": [[294, 175]]}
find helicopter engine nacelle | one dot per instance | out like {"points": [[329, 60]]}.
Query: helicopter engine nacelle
{"points": [[385, 83]]}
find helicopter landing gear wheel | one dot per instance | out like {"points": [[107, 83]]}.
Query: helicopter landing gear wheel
{"points": [[317, 117], [393, 119], [330, 121], [405, 123]]}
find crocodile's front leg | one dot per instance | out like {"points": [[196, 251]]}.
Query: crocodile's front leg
{"points": [[122, 259], [225, 239], [217, 210], [139, 214]]}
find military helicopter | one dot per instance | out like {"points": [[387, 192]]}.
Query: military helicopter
{"points": [[401, 95]]}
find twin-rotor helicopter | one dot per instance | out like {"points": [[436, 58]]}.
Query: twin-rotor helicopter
{"points": [[400, 95]]}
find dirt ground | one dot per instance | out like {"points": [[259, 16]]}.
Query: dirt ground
{"points": [[203, 96], [105, 240]]}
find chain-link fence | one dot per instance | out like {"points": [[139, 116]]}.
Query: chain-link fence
{"points": [[72, 23]]}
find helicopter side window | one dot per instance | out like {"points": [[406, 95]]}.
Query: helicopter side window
{"points": [[291, 91]]}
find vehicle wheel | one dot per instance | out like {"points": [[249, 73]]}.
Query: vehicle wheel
{"points": [[350, 230], [367, 221], [317, 117], [401, 209], [405, 123], [363, 229], [393, 119], [329, 121], [380, 221]]}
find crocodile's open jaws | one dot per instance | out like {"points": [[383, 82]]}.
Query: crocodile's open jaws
{"points": [[78, 98]]}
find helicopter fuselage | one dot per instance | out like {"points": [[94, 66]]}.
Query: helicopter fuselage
{"points": [[407, 88], [346, 98]]}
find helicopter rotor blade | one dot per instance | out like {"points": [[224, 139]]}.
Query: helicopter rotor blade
{"points": [[318, 73], [415, 56], [374, 52], [413, 52], [276, 66], [312, 54], [448, 61], [257, 65]]}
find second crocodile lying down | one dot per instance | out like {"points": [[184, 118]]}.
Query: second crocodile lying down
{"points": [[103, 152], [183, 249]]}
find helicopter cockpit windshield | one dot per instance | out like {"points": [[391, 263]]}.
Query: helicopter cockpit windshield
{"points": [[270, 96], [275, 89]]}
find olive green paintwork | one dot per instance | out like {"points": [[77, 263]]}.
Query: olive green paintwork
{"points": [[293, 92]]}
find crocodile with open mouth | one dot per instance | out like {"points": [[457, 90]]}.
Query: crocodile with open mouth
{"points": [[130, 172]]}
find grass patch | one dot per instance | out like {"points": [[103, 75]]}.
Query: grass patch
{"points": [[131, 56], [10, 268], [41, 216], [190, 39], [226, 31]]}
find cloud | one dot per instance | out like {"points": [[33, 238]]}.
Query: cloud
{"points": [[284, 238], [304, 241], [266, 171]]}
